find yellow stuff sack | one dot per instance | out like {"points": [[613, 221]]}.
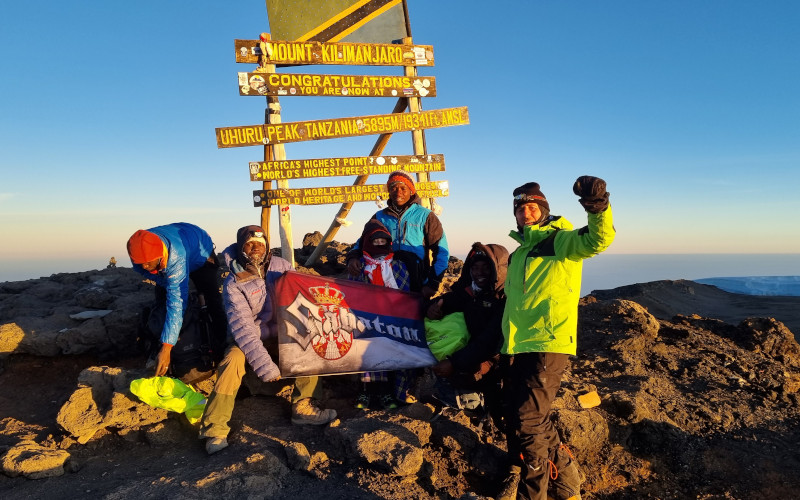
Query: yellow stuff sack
{"points": [[170, 394], [447, 335]]}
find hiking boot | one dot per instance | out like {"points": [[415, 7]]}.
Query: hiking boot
{"points": [[306, 411], [214, 445], [388, 402], [508, 490], [362, 401], [406, 398], [469, 400]]}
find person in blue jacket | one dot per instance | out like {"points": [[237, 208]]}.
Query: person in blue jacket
{"points": [[417, 236], [171, 255], [248, 294]]}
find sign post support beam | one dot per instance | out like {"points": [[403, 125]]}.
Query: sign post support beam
{"points": [[377, 149], [417, 137], [267, 184], [273, 113]]}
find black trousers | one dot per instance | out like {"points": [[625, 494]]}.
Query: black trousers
{"points": [[531, 381]]}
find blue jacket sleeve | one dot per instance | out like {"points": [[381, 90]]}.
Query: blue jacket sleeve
{"points": [[177, 287]]}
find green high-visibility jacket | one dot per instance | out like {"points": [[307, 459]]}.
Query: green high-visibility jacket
{"points": [[544, 281]]}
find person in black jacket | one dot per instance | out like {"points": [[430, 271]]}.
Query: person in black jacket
{"points": [[479, 294]]}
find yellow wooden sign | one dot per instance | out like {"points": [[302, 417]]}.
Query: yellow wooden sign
{"points": [[362, 54], [299, 84], [281, 133], [332, 167], [341, 194]]}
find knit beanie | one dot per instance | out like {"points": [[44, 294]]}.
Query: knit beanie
{"points": [[144, 246], [251, 233], [530, 193], [402, 177], [248, 233]]}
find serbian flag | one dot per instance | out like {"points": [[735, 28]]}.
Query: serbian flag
{"points": [[328, 326]]}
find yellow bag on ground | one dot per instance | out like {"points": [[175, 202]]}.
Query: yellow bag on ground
{"points": [[447, 335], [170, 394]]}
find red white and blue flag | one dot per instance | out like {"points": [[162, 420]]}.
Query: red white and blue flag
{"points": [[329, 326]]}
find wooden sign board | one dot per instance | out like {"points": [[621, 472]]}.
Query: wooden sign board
{"points": [[281, 133], [297, 84], [332, 167], [360, 54], [341, 194]]}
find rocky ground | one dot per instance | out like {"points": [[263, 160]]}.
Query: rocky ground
{"points": [[698, 395]]}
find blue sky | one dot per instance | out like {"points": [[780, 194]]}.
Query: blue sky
{"points": [[689, 109]]}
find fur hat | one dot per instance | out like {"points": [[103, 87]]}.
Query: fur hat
{"points": [[145, 246]]}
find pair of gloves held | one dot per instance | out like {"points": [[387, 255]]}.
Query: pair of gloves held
{"points": [[592, 192]]}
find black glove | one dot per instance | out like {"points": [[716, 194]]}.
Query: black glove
{"points": [[592, 190]]}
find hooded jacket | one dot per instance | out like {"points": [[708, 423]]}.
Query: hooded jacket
{"points": [[249, 307], [483, 310], [188, 249], [544, 282], [415, 231]]}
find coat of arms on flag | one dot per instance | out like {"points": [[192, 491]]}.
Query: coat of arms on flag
{"points": [[329, 326]]}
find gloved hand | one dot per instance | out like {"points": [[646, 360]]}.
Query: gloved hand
{"points": [[592, 192], [354, 266]]}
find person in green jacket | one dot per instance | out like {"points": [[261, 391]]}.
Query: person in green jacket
{"points": [[540, 327]]}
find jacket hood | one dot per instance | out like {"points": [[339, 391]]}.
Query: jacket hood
{"points": [[374, 229], [497, 255]]}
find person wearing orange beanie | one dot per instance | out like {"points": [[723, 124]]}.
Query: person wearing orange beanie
{"points": [[171, 255], [147, 250], [417, 236]]}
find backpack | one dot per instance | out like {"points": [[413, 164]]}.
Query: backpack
{"points": [[191, 358]]}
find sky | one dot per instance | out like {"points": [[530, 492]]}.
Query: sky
{"points": [[688, 109]]}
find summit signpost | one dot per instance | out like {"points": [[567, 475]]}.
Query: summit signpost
{"points": [[342, 33]]}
